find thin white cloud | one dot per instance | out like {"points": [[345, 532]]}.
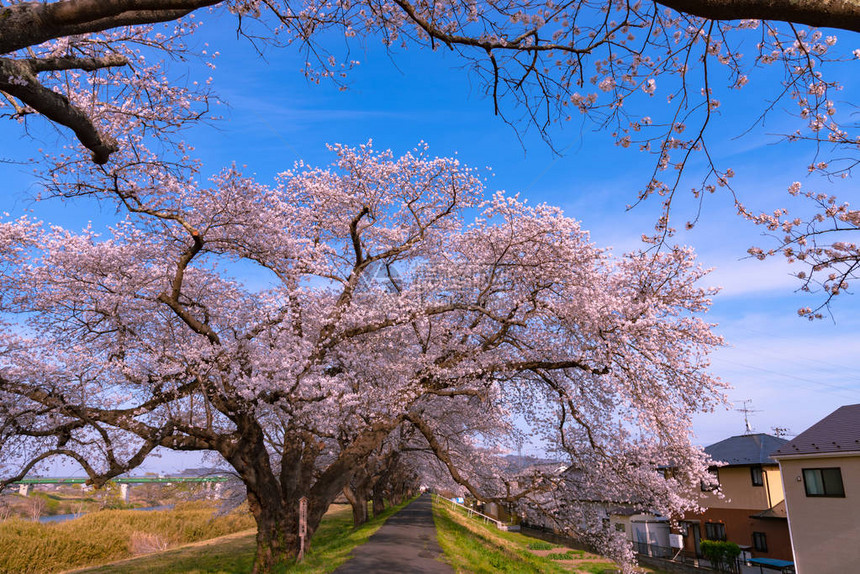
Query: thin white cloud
{"points": [[794, 371], [739, 278]]}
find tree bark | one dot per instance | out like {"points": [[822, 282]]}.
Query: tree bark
{"points": [[277, 537], [31, 23], [358, 500], [378, 500], [841, 14], [277, 516], [275, 504], [17, 79]]}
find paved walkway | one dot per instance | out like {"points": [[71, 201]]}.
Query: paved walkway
{"points": [[406, 543]]}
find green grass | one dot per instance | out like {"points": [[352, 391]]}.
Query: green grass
{"points": [[541, 545], [471, 546], [225, 555], [596, 568], [330, 547], [52, 503], [335, 539], [569, 555]]}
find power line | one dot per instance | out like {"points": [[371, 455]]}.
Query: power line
{"points": [[834, 388], [772, 336]]}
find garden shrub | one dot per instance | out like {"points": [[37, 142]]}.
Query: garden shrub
{"points": [[720, 554]]}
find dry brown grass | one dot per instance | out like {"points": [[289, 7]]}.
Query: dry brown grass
{"points": [[29, 547], [147, 543]]}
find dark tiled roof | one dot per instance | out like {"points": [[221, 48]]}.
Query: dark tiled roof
{"points": [[777, 511], [623, 511], [837, 432], [745, 449]]}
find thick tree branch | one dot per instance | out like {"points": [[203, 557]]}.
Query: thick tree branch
{"points": [[172, 299], [356, 237], [333, 478], [71, 63], [17, 79], [520, 366], [31, 23], [841, 14], [91, 472]]}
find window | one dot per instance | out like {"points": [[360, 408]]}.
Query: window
{"points": [[760, 541], [619, 527], [715, 531], [757, 476], [823, 482]]}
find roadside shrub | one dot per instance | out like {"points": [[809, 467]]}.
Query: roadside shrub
{"points": [[720, 554]]}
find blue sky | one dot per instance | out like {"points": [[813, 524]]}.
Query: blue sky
{"points": [[795, 371]]}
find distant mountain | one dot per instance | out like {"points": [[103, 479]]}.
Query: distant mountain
{"points": [[516, 463]]}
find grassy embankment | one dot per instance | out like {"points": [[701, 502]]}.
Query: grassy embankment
{"points": [[475, 547], [30, 547], [233, 554]]}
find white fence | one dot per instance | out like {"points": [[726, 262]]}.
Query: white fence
{"points": [[475, 514]]}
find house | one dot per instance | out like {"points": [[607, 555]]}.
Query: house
{"points": [[647, 533], [821, 480], [751, 512]]}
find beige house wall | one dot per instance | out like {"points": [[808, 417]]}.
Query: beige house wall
{"points": [[623, 520], [773, 482], [736, 485], [825, 532]]}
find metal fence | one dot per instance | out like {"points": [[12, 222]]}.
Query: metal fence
{"points": [[687, 558]]}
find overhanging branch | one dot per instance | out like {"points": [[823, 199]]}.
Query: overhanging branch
{"points": [[32, 23], [841, 14], [18, 80]]}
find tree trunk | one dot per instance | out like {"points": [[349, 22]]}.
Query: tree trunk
{"points": [[275, 512], [274, 504], [277, 538], [357, 498], [378, 501]]}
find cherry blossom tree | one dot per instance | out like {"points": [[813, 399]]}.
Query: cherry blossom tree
{"points": [[390, 472], [83, 65], [100, 69], [380, 308]]}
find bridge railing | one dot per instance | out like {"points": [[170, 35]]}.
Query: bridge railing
{"points": [[126, 480], [26, 484]]}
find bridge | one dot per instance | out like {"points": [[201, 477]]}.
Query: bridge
{"points": [[25, 485]]}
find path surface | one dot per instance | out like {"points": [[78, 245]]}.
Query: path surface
{"points": [[406, 543]]}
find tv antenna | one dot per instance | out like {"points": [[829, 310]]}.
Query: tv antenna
{"points": [[747, 411]]}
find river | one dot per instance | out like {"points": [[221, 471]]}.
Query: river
{"points": [[64, 517]]}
